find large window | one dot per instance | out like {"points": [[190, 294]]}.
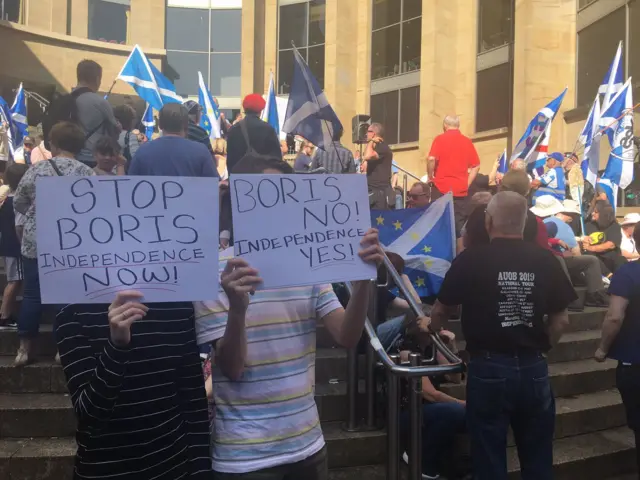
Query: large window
{"points": [[109, 20], [492, 98], [205, 40], [494, 21], [493, 67], [600, 30], [399, 112], [11, 10], [396, 38], [302, 24]]}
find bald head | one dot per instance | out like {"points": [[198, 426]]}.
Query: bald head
{"points": [[518, 164], [451, 122], [506, 215]]}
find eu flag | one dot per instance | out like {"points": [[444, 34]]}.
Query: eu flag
{"points": [[424, 238]]}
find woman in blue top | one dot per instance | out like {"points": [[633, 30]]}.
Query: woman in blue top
{"points": [[621, 338]]}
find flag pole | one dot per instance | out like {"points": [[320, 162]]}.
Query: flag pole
{"points": [[110, 88], [581, 213], [603, 129]]}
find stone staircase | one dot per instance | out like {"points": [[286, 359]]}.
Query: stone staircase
{"points": [[37, 422]]}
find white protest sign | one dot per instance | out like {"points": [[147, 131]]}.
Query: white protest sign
{"points": [[301, 229], [102, 234]]}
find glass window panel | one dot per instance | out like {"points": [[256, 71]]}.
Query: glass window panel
{"points": [[409, 115], [293, 25], [285, 70], [492, 98], [597, 45], [316, 22], [385, 12], [494, 23], [108, 21], [411, 45], [182, 69], [384, 110], [226, 30], [411, 9], [634, 46], [10, 10], [385, 52], [225, 74], [316, 63], [187, 29]]}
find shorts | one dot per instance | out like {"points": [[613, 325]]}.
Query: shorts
{"points": [[13, 269]]}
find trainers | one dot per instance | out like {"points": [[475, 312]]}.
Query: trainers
{"points": [[405, 458], [606, 281], [22, 358], [597, 299], [57, 358]]}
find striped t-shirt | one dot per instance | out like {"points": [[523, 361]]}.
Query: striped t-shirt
{"points": [[268, 417]]}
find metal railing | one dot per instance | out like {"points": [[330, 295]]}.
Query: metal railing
{"points": [[412, 371]]}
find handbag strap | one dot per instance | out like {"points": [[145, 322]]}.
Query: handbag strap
{"points": [[55, 167]]}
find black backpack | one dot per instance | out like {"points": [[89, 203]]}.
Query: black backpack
{"points": [[62, 109]]}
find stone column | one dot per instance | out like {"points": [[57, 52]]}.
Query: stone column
{"points": [[270, 39], [147, 23], [545, 62], [80, 18], [362, 36]]}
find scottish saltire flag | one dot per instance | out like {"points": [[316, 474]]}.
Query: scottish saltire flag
{"points": [[503, 163], [591, 141], [308, 111], [424, 238], [210, 119], [619, 169], [610, 189], [534, 134], [148, 122], [5, 117], [270, 112], [613, 80], [536, 168], [149, 83], [19, 115]]}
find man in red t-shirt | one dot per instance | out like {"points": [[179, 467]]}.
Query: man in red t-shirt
{"points": [[452, 166]]}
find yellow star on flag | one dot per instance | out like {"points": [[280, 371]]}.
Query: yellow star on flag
{"points": [[398, 225], [380, 220], [428, 263], [420, 282], [426, 249], [415, 236]]}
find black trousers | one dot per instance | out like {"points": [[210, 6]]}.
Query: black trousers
{"points": [[628, 383], [460, 208]]}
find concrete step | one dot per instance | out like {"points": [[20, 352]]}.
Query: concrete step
{"points": [[593, 456], [567, 378], [51, 415], [45, 376], [44, 344]]}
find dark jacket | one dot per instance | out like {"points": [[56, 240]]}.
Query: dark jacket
{"points": [[9, 243], [200, 135], [262, 136]]}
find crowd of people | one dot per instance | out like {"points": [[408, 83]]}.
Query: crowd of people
{"points": [[145, 409]]}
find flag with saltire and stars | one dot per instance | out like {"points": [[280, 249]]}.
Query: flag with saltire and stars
{"points": [[424, 238]]}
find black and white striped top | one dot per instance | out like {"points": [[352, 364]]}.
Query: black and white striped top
{"points": [[142, 410]]}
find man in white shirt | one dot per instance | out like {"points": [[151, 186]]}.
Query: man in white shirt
{"points": [[628, 245]]}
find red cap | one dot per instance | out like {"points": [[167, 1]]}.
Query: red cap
{"points": [[254, 103]]}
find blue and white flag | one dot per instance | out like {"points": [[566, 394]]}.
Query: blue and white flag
{"points": [[503, 163], [148, 122], [150, 84], [424, 238], [5, 117], [270, 112], [591, 141], [210, 119], [535, 132], [309, 114], [610, 189], [619, 169], [613, 80], [19, 115]]}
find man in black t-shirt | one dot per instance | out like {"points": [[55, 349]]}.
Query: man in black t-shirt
{"points": [[379, 158], [604, 237], [505, 289]]}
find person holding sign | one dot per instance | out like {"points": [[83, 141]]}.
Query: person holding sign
{"points": [[263, 373], [136, 385], [67, 140]]}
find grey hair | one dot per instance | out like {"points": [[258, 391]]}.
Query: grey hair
{"points": [[452, 121], [481, 198], [378, 128], [508, 212]]}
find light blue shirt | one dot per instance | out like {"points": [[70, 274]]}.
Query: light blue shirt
{"points": [[565, 233]]}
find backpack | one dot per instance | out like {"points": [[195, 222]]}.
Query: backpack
{"points": [[62, 109]]}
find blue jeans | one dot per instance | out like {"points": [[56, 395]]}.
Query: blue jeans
{"points": [[441, 422], [388, 331], [31, 308], [505, 390]]}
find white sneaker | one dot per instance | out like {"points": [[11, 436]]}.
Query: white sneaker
{"points": [[606, 281], [405, 458]]}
